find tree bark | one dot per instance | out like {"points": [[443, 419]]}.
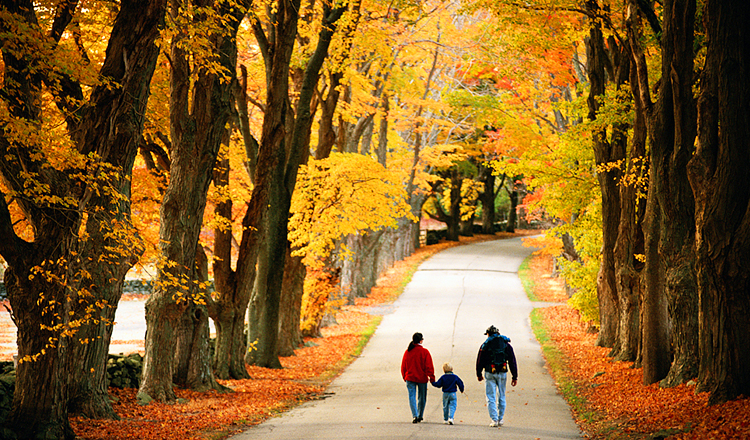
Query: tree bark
{"points": [[228, 309], [359, 272], [629, 236], [609, 310], [488, 200], [290, 335], [510, 226], [718, 174], [672, 129], [197, 125]]}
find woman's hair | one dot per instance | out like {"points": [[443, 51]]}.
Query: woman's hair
{"points": [[447, 367], [415, 339]]}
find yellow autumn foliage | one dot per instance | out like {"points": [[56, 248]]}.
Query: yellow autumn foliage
{"points": [[340, 195]]}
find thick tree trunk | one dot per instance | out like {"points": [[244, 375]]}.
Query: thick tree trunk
{"points": [[359, 272], [655, 329], [326, 131], [88, 395], [284, 146], [229, 319], [263, 310], [265, 302], [466, 227], [672, 124], [197, 125], [609, 310], [41, 394], [629, 239], [192, 351], [192, 354], [453, 218], [406, 243], [290, 336], [228, 309], [629, 244], [719, 172], [677, 246], [382, 150], [655, 332]]}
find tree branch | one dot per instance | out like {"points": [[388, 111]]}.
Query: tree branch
{"points": [[12, 247], [648, 11]]}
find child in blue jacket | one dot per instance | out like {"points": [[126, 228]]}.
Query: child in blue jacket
{"points": [[450, 383]]}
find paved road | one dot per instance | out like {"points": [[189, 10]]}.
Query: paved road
{"points": [[452, 299]]}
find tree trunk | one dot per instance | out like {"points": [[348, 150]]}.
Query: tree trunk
{"points": [[326, 131], [87, 372], [359, 272], [229, 307], [407, 238], [609, 310], [655, 332], [488, 201], [197, 125], [510, 226], [466, 227], [41, 396], [284, 156], [629, 237], [192, 351], [655, 351], [290, 336], [672, 129], [453, 218], [677, 246], [192, 354], [719, 172], [382, 150]]}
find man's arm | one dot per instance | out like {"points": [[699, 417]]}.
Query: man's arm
{"points": [[512, 363], [479, 366]]}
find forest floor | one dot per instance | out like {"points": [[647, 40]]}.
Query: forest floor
{"points": [[607, 398]]}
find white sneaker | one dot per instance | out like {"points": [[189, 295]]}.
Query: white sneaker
{"points": [[493, 424], [450, 421], [500, 423], [446, 422]]}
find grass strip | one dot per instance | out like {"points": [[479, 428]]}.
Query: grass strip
{"points": [[557, 368], [524, 273]]}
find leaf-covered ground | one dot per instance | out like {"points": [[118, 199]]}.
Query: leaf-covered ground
{"points": [[612, 401]]}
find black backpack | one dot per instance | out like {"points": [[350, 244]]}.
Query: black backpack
{"points": [[498, 362]]}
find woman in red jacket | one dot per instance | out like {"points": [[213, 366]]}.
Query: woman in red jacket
{"points": [[417, 370]]}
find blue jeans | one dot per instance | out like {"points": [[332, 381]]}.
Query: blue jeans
{"points": [[417, 398], [495, 390], [450, 402]]}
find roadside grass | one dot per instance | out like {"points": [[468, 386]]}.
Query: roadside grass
{"points": [[557, 368], [524, 273]]}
